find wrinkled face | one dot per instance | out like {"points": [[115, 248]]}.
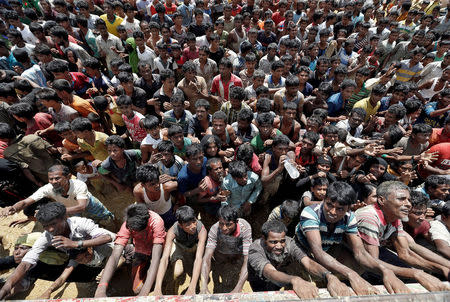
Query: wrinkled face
{"points": [[216, 170], [177, 139], [55, 227], [19, 251], [219, 126], [227, 227], [397, 204], [115, 152], [275, 244], [58, 180], [334, 211], [152, 186], [319, 191], [377, 170], [416, 216], [189, 227], [196, 161]]}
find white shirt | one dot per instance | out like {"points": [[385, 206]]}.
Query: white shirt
{"points": [[131, 27], [148, 56], [27, 35], [439, 231], [149, 140], [77, 190]]}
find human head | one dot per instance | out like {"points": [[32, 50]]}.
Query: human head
{"points": [[238, 170], [394, 200], [340, 196], [421, 133], [437, 187], [194, 157], [274, 236], [167, 150], [53, 218], [215, 169], [115, 145], [228, 218], [265, 124], [137, 216], [289, 209], [419, 202], [186, 219]]}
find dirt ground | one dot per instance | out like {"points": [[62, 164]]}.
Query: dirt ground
{"points": [[116, 202]]}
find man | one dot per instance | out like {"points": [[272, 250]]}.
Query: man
{"points": [[353, 126], [108, 44], [381, 222], [72, 193], [185, 239], [228, 242], [200, 121], [193, 172], [274, 258], [62, 233], [372, 103], [146, 228], [222, 83], [290, 94], [178, 115], [193, 86], [322, 229]]}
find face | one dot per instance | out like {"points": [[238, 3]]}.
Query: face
{"points": [[290, 114], [307, 145], [421, 138], [103, 30], [202, 113], [372, 198], [334, 211], [59, 181], [199, 18], [235, 104], [219, 126], [217, 172], [196, 161], [177, 139], [355, 120], [55, 227], [319, 191], [303, 77], [224, 71], [440, 192], [165, 33], [203, 56], [265, 130], [212, 149], [323, 167], [397, 205], [189, 227], [377, 170], [280, 150], [416, 216], [146, 72], [126, 109], [227, 227], [152, 186], [20, 251], [347, 92], [169, 83], [168, 158], [258, 82], [275, 244], [178, 108], [330, 139], [115, 152]]}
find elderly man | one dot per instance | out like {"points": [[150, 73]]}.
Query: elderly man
{"points": [[380, 223], [275, 255], [64, 234], [72, 193]]}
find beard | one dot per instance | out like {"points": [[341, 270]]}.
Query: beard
{"points": [[276, 258], [59, 190]]}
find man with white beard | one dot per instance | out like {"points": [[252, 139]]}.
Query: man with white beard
{"points": [[273, 256]]}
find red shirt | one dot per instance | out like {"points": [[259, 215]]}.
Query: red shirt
{"points": [[420, 231], [223, 89], [277, 18], [443, 161], [439, 136], [170, 10], [236, 10], [190, 54], [300, 161], [41, 121], [143, 241]]}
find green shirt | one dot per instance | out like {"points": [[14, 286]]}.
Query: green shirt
{"points": [[258, 144]]}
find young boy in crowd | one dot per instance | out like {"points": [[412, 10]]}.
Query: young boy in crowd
{"points": [[132, 119], [154, 136], [175, 134], [286, 212], [319, 186]]}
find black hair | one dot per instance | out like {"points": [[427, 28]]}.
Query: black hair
{"points": [[219, 115], [263, 105], [63, 126], [237, 168], [125, 77], [23, 110], [81, 124], [365, 191], [330, 129], [48, 94], [137, 217], [226, 63], [275, 226], [150, 122], [446, 209], [412, 105], [124, 100], [6, 131], [92, 63], [185, 214], [418, 199], [280, 139], [434, 181], [58, 66], [264, 119], [245, 153], [193, 150], [289, 208], [245, 115], [341, 192], [237, 93], [147, 173], [319, 181], [398, 110], [60, 32], [101, 103], [174, 129], [62, 85], [21, 55], [166, 74], [209, 139], [359, 111], [228, 213], [202, 103], [277, 64], [348, 83], [115, 140], [312, 136], [51, 211], [292, 81], [212, 160], [260, 90], [421, 129], [166, 146], [379, 89]]}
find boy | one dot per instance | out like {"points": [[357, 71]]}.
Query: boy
{"points": [[176, 136], [132, 119], [258, 81], [90, 140], [154, 136], [120, 166], [319, 186], [168, 163], [235, 104], [286, 212], [70, 149], [263, 140], [106, 105], [177, 116], [439, 231], [185, 239], [56, 108], [287, 122], [246, 75], [211, 194]]}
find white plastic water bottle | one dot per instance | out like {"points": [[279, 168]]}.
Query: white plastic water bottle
{"points": [[293, 172]]}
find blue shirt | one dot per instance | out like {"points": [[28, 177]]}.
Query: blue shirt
{"points": [[187, 180], [335, 104], [241, 194], [187, 12], [435, 122], [313, 218]]}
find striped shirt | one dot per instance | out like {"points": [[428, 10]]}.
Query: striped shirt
{"points": [[405, 73], [373, 228], [237, 243], [312, 218]]}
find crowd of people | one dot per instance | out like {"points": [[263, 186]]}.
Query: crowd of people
{"points": [[302, 143]]}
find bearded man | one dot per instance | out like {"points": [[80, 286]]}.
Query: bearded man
{"points": [[274, 259]]}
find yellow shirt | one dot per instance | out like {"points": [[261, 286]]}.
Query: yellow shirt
{"points": [[367, 106], [112, 27], [114, 113], [98, 150]]}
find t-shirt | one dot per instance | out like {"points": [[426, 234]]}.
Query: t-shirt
{"points": [[213, 188], [82, 106], [439, 231], [185, 239], [80, 229], [143, 241], [373, 228], [63, 115], [258, 259], [182, 152], [312, 218], [149, 140], [409, 148], [223, 89], [188, 180], [439, 136], [137, 133], [422, 230], [258, 144], [127, 174], [234, 244], [98, 150]]}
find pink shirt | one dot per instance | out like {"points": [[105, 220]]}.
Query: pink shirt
{"points": [[223, 89], [143, 241], [137, 133]]}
